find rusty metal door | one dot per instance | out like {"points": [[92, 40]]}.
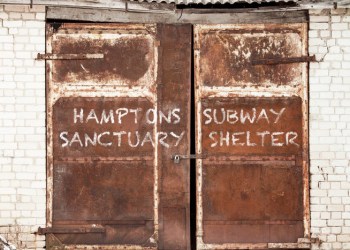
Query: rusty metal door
{"points": [[118, 110], [117, 102], [252, 189]]}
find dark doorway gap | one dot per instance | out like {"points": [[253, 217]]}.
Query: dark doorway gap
{"points": [[193, 186]]}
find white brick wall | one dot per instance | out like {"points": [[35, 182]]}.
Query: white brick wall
{"points": [[22, 125], [330, 127]]}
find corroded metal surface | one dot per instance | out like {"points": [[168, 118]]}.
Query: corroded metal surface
{"points": [[230, 54], [129, 56], [111, 126], [103, 127], [252, 190], [174, 92], [94, 173], [250, 125]]}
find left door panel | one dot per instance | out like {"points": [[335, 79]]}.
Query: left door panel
{"points": [[105, 137]]}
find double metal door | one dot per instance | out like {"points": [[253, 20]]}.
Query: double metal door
{"points": [[120, 99]]}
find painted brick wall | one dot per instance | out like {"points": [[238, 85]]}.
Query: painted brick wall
{"points": [[330, 127], [22, 125]]}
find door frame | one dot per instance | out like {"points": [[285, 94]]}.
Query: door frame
{"points": [[196, 17]]}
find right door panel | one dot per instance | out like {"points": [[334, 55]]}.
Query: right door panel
{"points": [[252, 131]]}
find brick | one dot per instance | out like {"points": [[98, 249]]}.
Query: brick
{"points": [[331, 238], [318, 193], [343, 42], [335, 208], [15, 15], [317, 42], [339, 162], [343, 238], [335, 223], [336, 178], [339, 26], [319, 19], [333, 57], [34, 24], [37, 8], [319, 26], [318, 223], [28, 16], [331, 42], [16, 8], [40, 16], [12, 24], [3, 15], [336, 19]]}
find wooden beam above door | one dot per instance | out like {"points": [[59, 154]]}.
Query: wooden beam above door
{"points": [[175, 16]]}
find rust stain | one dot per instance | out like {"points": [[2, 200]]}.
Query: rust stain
{"points": [[125, 58], [129, 51], [227, 59]]}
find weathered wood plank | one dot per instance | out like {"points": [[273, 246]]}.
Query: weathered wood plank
{"points": [[147, 7], [178, 16]]}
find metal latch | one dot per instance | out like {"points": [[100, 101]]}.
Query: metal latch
{"points": [[274, 61], [72, 230], [49, 56], [178, 157]]}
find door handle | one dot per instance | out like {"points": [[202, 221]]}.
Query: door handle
{"points": [[177, 157]]}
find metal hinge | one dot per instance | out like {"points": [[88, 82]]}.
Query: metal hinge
{"points": [[273, 61], [71, 230], [178, 157], [50, 56]]}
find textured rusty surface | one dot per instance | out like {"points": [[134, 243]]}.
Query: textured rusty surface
{"points": [[129, 56], [102, 136], [102, 127], [95, 191], [252, 188], [252, 192], [174, 91], [248, 126], [113, 123], [227, 55]]}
